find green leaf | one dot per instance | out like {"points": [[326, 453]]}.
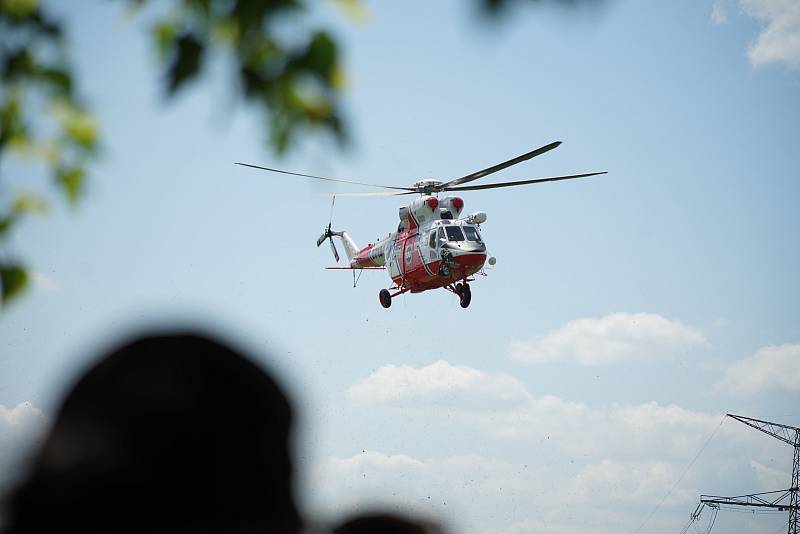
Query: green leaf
{"points": [[27, 203], [252, 81], [225, 31], [18, 65], [188, 59], [6, 223], [14, 279], [79, 127], [19, 9], [339, 130], [10, 120], [71, 180], [354, 9], [59, 80], [164, 35], [44, 25], [320, 57], [82, 129], [252, 14], [280, 130]]}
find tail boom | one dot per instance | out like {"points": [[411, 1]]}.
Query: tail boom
{"points": [[370, 257]]}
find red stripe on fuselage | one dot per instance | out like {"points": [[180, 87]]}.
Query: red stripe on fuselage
{"points": [[362, 258], [418, 278]]}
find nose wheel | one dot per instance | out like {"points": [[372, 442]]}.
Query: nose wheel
{"points": [[464, 294]]}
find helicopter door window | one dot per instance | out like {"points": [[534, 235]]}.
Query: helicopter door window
{"points": [[440, 233], [472, 234], [454, 234], [432, 240]]}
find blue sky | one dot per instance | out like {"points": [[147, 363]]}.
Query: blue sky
{"points": [[638, 306]]}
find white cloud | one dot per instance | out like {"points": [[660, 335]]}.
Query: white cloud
{"points": [[520, 462], [474, 493], [613, 339], [439, 381], [20, 428], [370, 460], [496, 402], [469, 493], [501, 408], [770, 479], [623, 482], [22, 416], [771, 367], [719, 12], [779, 40]]}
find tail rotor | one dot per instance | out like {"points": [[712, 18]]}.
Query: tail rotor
{"points": [[328, 234]]}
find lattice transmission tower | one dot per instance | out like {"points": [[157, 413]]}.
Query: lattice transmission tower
{"points": [[783, 500]]}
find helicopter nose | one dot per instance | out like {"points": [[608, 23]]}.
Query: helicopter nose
{"points": [[472, 260], [466, 247]]}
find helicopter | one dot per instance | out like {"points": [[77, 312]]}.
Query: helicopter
{"points": [[434, 246]]}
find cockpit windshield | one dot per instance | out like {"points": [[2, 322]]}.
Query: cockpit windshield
{"points": [[454, 233], [472, 234]]}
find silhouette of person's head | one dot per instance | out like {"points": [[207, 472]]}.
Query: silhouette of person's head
{"points": [[169, 433]]}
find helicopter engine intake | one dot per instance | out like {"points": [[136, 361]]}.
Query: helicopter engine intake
{"points": [[452, 204], [421, 210]]}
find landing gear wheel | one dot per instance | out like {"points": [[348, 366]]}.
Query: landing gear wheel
{"points": [[385, 297], [465, 297], [459, 289]]}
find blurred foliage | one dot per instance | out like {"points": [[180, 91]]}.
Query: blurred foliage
{"points": [[294, 84], [14, 279], [293, 81], [41, 119]]}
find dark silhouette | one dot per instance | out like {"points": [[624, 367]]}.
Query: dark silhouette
{"points": [[172, 433]]}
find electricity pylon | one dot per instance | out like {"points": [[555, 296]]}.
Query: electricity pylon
{"points": [[782, 499]]}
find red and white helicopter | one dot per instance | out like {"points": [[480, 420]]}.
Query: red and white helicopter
{"points": [[433, 247]]}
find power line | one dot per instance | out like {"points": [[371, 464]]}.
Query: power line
{"points": [[696, 456], [781, 500]]}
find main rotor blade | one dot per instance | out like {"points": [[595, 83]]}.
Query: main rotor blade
{"points": [[522, 182], [322, 239], [501, 166], [335, 253], [323, 178], [371, 194]]}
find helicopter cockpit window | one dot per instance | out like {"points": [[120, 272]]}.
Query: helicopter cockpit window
{"points": [[432, 240], [472, 234], [440, 233], [454, 233]]}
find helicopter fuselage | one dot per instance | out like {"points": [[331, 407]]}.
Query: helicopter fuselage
{"points": [[432, 247]]}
